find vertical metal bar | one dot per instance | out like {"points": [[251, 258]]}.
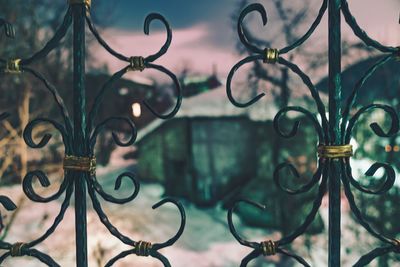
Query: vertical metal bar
{"points": [[334, 129], [80, 136]]}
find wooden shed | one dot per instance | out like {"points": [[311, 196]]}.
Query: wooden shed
{"points": [[208, 151]]}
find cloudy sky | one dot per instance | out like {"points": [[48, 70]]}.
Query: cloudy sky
{"points": [[203, 33]]}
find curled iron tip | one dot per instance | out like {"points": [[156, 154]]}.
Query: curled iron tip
{"points": [[230, 78], [277, 122], [149, 19], [245, 40], [28, 132], [376, 128], [388, 179], [152, 249], [7, 203], [241, 31], [232, 228], [182, 213], [117, 186], [178, 93], [292, 169], [102, 126], [27, 186]]}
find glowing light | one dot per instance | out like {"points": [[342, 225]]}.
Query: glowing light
{"points": [[123, 91], [396, 148], [388, 148], [136, 110]]}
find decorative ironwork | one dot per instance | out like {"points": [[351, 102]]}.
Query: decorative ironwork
{"points": [[271, 55], [88, 3], [80, 164], [17, 249], [13, 66], [79, 136], [137, 64], [143, 248], [335, 152], [268, 248], [334, 134]]}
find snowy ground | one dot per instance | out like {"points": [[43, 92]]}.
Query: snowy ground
{"points": [[205, 243]]}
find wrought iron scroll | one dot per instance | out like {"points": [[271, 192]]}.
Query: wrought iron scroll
{"points": [[80, 138], [333, 132]]}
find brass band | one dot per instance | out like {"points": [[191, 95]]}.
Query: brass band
{"points": [[85, 164], [143, 248], [268, 248], [136, 64], [88, 3], [271, 55], [13, 66], [396, 242], [335, 152], [16, 249]]}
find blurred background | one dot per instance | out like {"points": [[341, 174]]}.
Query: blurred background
{"points": [[211, 153]]}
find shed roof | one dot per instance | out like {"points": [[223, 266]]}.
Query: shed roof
{"points": [[382, 85], [215, 104]]}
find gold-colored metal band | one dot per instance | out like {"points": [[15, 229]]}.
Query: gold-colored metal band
{"points": [[13, 66], [335, 152], [88, 3], [85, 164], [396, 243], [271, 55], [143, 248], [136, 64], [16, 249], [268, 248]]}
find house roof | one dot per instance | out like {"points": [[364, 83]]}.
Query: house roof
{"points": [[215, 104], [382, 85]]}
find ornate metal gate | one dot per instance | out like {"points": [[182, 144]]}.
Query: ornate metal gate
{"points": [[334, 134], [80, 133]]}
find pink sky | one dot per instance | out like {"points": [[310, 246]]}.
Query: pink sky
{"points": [[192, 47]]}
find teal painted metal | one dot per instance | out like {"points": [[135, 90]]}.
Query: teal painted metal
{"points": [[80, 133], [336, 130], [79, 136], [335, 97]]}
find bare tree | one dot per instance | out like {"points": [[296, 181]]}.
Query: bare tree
{"points": [[35, 22]]}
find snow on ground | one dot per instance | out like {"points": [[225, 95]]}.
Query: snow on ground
{"points": [[206, 241]]}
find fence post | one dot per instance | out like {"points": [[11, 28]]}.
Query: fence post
{"points": [[80, 135], [335, 87]]}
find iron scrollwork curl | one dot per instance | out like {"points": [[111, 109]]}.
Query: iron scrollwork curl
{"points": [[389, 54], [147, 64], [6, 202], [69, 138], [325, 137], [94, 187], [20, 249]]}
